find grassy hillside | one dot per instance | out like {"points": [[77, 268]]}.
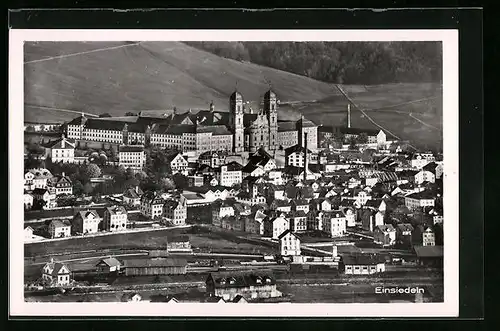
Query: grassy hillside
{"points": [[149, 76], [117, 77]]}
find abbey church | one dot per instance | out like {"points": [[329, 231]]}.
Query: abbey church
{"points": [[241, 129]]}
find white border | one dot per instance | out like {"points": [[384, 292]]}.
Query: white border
{"points": [[450, 140]]}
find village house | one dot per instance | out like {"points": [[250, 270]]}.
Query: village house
{"points": [[179, 244], [221, 209], [418, 200], [298, 221], [108, 265], [177, 164], [252, 170], [428, 237], [295, 156], [151, 205], [36, 178], [175, 211], [59, 229], [350, 216], [132, 157], [28, 200], [254, 225], [281, 205], [213, 159], [314, 220], [262, 159], [429, 256], [229, 174], [61, 150], [275, 177], [251, 285], [56, 273], [371, 219], [46, 195], [85, 222], [132, 196], [289, 244], [115, 218], [28, 233], [362, 264], [376, 204], [435, 168], [421, 160], [334, 223], [239, 299], [274, 226], [359, 196], [384, 235], [300, 204], [233, 223], [195, 181], [404, 234], [424, 176], [61, 184]]}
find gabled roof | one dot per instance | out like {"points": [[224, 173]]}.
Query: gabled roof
{"points": [[133, 193], [429, 251], [87, 213], [362, 259], [403, 227], [41, 173], [62, 143], [59, 223], [297, 213], [284, 126], [241, 279], [296, 149], [111, 262], [131, 148], [421, 195], [113, 210], [55, 268], [386, 228], [305, 123], [287, 232]]}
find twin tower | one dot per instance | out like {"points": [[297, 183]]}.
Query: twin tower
{"points": [[252, 131]]}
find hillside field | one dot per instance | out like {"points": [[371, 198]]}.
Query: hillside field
{"points": [[158, 76]]}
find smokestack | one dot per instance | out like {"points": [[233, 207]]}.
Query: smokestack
{"points": [[348, 115], [305, 157], [212, 107]]}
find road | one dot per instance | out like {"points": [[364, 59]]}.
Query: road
{"points": [[79, 112], [422, 122]]}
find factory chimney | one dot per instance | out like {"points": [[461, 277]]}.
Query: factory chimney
{"points": [[306, 162], [348, 115]]}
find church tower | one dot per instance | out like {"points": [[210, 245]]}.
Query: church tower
{"points": [[271, 111], [236, 120]]}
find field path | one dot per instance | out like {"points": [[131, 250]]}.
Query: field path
{"points": [[63, 110], [426, 124], [80, 53], [366, 115]]}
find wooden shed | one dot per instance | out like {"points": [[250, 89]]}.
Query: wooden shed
{"points": [[155, 266]]}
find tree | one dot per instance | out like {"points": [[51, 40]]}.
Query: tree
{"points": [[129, 113], [39, 204], [78, 188], [93, 171], [87, 189], [167, 184], [105, 115], [30, 128], [352, 143], [362, 138], [181, 181]]}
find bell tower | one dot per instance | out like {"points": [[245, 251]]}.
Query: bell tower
{"points": [[271, 111], [236, 120]]}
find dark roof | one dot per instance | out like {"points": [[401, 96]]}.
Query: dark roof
{"points": [[86, 213], [421, 195], [248, 119], [58, 144], [429, 251], [133, 193], [235, 95], [214, 129], [297, 213], [234, 166], [97, 124], [405, 227], [269, 94], [59, 223], [305, 123], [131, 148], [152, 198], [386, 228], [116, 209], [111, 262], [296, 149], [241, 279], [155, 262], [287, 126], [362, 259], [180, 129], [430, 166], [78, 121], [39, 191]]}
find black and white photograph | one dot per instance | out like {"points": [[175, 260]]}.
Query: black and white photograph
{"points": [[251, 167]]}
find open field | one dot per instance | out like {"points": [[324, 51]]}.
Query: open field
{"points": [[161, 75], [149, 76], [205, 242]]}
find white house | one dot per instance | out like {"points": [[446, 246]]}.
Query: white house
{"points": [[115, 218], [178, 164], [132, 157], [334, 222], [384, 235], [61, 150], [86, 221], [289, 244], [418, 200], [28, 200], [55, 273], [59, 229], [28, 233], [229, 174], [273, 227], [424, 176]]}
